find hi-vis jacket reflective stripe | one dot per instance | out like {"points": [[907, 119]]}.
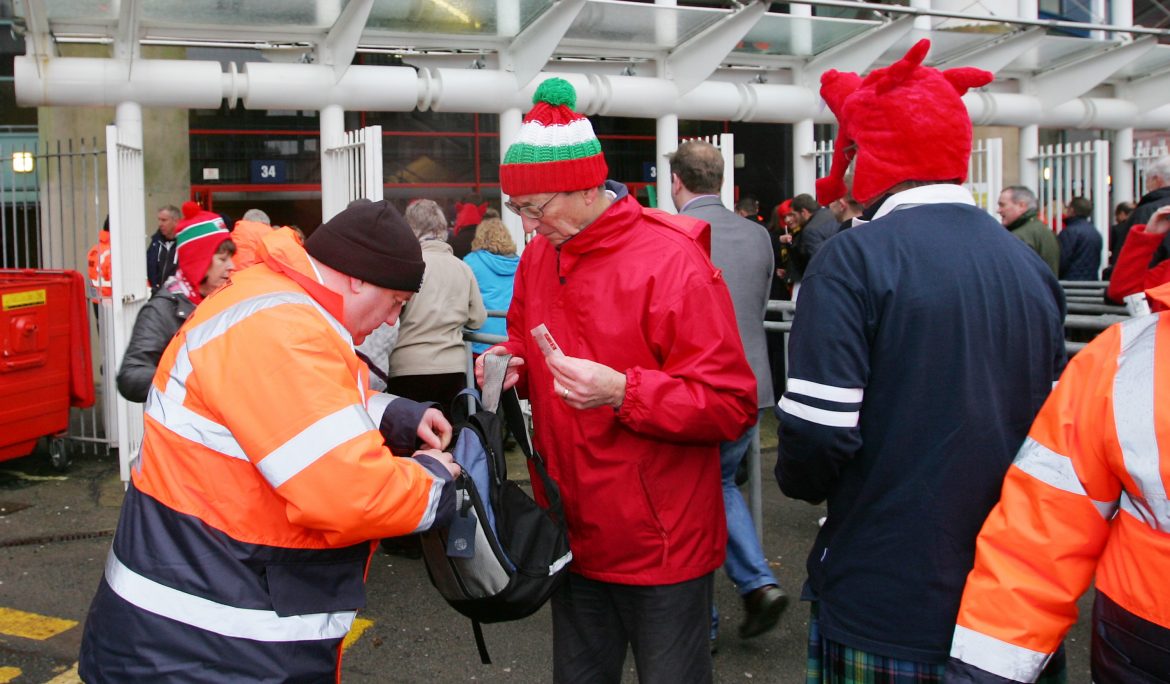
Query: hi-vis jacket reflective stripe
{"points": [[1086, 493], [243, 542], [98, 261]]}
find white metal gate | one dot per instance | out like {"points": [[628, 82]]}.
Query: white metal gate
{"points": [[1078, 169], [127, 198], [1144, 154], [823, 157], [351, 170], [51, 207], [984, 170], [985, 173]]}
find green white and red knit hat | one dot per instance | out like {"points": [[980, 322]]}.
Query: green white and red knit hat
{"points": [[556, 149], [197, 237]]}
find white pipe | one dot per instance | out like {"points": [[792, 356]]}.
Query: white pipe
{"points": [[665, 142], [1030, 157], [90, 81], [128, 120], [804, 164], [315, 86], [333, 194], [78, 81], [1121, 153], [510, 121]]}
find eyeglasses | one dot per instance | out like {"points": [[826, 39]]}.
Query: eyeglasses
{"points": [[529, 210]]}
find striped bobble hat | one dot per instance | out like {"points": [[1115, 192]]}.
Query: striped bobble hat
{"points": [[556, 150], [196, 240]]}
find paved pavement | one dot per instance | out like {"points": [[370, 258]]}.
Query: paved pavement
{"points": [[54, 533]]}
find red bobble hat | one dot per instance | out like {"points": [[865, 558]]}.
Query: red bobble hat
{"points": [[556, 149], [905, 122], [197, 237]]}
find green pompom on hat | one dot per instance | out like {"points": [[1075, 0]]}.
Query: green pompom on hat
{"points": [[556, 149]]}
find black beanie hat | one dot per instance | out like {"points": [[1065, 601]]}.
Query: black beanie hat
{"points": [[370, 241]]}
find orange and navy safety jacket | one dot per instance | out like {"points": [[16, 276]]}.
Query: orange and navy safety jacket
{"points": [[1086, 494], [247, 236], [98, 260], [244, 538]]}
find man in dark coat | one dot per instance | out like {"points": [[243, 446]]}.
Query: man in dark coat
{"points": [[160, 256], [817, 225], [924, 342], [1080, 243], [1157, 195]]}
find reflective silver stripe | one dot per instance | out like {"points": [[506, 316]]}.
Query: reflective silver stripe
{"points": [[228, 621], [176, 387], [313, 442], [844, 395], [184, 422], [377, 405], [1057, 471], [220, 323], [433, 495], [818, 415], [1133, 414], [1000, 658]]}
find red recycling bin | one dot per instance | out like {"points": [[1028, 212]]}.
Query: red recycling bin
{"points": [[44, 356]]}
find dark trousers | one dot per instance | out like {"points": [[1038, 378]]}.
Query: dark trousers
{"points": [[666, 626], [1127, 649], [439, 387]]}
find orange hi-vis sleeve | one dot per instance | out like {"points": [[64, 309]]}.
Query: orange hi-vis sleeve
{"points": [[258, 424], [1086, 494]]}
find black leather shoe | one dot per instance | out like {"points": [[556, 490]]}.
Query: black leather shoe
{"points": [[762, 610]]}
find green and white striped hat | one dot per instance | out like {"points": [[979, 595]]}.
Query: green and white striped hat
{"points": [[556, 149], [196, 240]]}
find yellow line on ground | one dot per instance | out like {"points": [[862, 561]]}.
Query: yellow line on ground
{"points": [[7, 674], [67, 677], [359, 625], [32, 626]]}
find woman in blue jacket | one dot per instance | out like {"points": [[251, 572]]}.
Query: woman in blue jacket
{"points": [[493, 260]]}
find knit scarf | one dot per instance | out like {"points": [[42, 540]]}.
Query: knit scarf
{"points": [[178, 283]]}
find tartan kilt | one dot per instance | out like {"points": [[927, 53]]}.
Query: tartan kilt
{"points": [[832, 663]]}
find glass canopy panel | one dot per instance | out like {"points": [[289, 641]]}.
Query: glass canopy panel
{"points": [[638, 25], [945, 44], [504, 18], [1152, 62], [1054, 50], [782, 34], [309, 14], [80, 9]]}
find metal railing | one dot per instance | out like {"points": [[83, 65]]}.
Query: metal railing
{"points": [[1087, 310]]}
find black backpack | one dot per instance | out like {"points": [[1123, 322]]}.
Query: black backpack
{"points": [[503, 555]]}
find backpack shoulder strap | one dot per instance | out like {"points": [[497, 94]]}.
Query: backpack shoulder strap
{"points": [[480, 643]]}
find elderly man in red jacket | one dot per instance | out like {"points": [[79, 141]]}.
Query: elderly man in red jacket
{"points": [[629, 410]]}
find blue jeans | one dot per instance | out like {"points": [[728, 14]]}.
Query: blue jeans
{"points": [[745, 564]]}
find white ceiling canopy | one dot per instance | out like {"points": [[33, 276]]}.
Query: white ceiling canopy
{"points": [[696, 50]]}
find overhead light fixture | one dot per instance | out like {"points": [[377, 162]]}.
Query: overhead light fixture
{"points": [[22, 162]]}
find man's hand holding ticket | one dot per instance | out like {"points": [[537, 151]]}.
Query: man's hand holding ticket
{"points": [[580, 383], [545, 341]]}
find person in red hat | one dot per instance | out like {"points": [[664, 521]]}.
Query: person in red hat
{"points": [[204, 253], [925, 340], [629, 416]]}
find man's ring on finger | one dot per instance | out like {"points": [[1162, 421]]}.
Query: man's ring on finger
{"points": [[565, 393]]}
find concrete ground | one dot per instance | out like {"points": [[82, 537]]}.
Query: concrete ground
{"points": [[55, 529]]}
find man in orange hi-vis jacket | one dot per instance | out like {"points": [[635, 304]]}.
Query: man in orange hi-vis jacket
{"points": [[1086, 494], [267, 468]]}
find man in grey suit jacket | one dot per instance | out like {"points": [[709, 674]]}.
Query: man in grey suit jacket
{"points": [[743, 251]]}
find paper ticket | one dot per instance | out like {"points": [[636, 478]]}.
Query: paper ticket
{"points": [[545, 341]]}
